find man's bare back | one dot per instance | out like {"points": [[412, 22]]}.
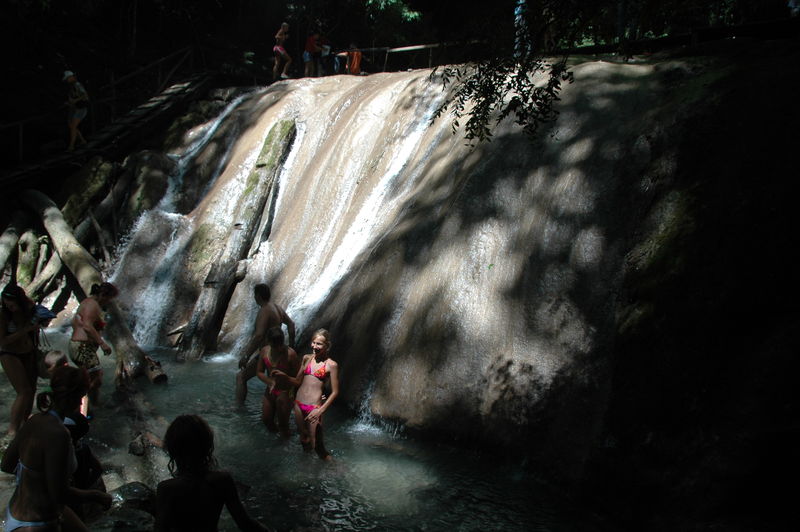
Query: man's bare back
{"points": [[269, 315]]}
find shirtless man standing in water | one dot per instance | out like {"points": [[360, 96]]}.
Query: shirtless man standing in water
{"points": [[269, 315]]}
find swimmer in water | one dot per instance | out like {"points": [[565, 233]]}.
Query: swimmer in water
{"points": [[316, 369], [277, 402]]}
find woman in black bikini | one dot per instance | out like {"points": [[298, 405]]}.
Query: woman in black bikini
{"points": [[193, 499], [18, 334], [277, 402], [315, 370]]}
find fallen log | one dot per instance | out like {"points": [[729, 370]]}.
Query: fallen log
{"points": [[40, 286], [203, 328], [154, 371], [27, 257], [87, 273], [20, 221]]}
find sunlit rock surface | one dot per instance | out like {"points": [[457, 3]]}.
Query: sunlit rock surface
{"points": [[515, 292]]}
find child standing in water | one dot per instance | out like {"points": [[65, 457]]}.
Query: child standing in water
{"points": [[315, 369], [193, 499], [277, 402]]}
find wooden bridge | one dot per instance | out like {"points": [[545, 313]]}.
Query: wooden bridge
{"points": [[115, 139]]}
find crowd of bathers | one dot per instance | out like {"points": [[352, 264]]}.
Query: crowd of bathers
{"points": [[318, 60], [58, 478]]}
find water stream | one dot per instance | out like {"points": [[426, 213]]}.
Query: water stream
{"points": [[380, 479]]}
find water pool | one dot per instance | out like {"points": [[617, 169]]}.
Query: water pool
{"points": [[379, 479]]}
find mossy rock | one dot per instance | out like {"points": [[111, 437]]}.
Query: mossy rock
{"points": [[84, 186]]}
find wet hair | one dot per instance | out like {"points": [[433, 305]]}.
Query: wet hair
{"points": [[190, 444], [262, 291], [104, 289], [67, 383], [14, 292], [325, 334], [275, 336]]}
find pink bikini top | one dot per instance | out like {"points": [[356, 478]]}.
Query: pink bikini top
{"points": [[320, 373]]}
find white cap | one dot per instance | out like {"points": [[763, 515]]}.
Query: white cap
{"points": [[67, 74]]}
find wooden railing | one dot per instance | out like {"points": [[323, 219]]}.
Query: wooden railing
{"points": [[103, 101]]}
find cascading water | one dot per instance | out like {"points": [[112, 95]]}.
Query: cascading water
{"points": [[171, 231], [460, 283]]}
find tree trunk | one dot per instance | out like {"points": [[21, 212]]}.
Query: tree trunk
{"points": [[27, 257], [203, 328], [38, 288], [105, 208], [20, 221], [86, 271]]}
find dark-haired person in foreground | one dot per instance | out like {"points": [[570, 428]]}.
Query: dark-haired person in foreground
{"points": [[18, 334], [269, 315], [86, 327], [192, 500]]}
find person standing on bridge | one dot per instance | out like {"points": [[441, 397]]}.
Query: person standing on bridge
{"points": [[281, 55], [269, 315], [77, 108]]}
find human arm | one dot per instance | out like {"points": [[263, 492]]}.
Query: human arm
{"points": [[88, 315], [298, 378], [333, 371], [261, 368], [96, 496], [10, 458], [235, 507], [257, 340], [7, 338]]}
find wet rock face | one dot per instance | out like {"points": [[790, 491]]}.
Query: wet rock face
{"points": [[133, 510], [135, 495], [570, 299], [151, 171], [124, 519]]}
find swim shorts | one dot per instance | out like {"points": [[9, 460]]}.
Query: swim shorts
{"points": [[84, 354]]}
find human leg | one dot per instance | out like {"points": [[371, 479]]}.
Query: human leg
{"points": [[95, 382], [268, 412], [302, 427], [72, 125], [317, 440], [84, 355], [14, 368], [283, 406], [244, 375], [288, 62]]}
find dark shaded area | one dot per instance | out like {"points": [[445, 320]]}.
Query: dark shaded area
{"points": [[701, 431]]}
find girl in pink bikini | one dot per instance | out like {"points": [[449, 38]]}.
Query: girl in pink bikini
{"points": [[315, 370], [277, 358]]}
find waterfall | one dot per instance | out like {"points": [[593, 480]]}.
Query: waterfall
{"points": [[458, 281], [168, 232]]}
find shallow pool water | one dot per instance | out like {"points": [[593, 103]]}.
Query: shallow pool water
{"points": [[379, 479]]}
